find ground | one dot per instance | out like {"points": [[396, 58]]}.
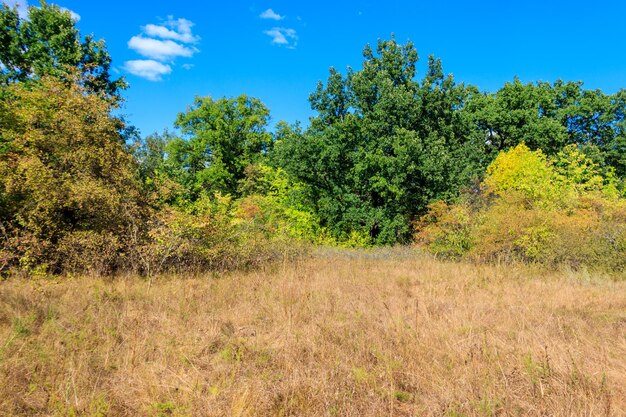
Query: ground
{"points": [[342, 333]]}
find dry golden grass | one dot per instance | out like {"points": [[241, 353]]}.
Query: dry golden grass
{"points": [[341, 334]]}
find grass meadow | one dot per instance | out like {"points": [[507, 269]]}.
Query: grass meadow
{"points": [[340, 333]]}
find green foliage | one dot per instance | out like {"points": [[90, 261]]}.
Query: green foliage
{"points": [[168, 409], [48, 43], [200, 237], [446, 229], [533, 172], [383, 145], [209, 234], [551, 116], [225, 136], [402, 396], [554, 182], [272, 201], [580, 171]]}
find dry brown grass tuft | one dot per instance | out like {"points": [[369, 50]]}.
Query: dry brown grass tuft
{"points": [[342, 334]]}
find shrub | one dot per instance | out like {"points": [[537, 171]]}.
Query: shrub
{"points": [[446, 229], [533, 209], [511, 231], [276, 204], [95, 253], [67, 182], [208, 236], [525, 172]]}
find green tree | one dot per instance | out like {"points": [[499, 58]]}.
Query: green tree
{"points": [[48, 43], [519, 113], [551, 116], [223, 137], [383, 144]]}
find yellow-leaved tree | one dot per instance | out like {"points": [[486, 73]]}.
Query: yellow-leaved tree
{"points": [[534, 209], [69, 195]]}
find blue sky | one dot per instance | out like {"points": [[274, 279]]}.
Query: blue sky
{"points": [[170, 52]]}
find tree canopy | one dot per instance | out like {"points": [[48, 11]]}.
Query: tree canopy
{"points": [[383, 144], [48, 43], [221, 138], [551, 116]]}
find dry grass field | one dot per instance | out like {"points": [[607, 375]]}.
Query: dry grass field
{"points": [[383, 333]]}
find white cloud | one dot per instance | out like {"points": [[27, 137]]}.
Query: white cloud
{"points": [[148, 69], [271, 14], [175, 29], [161, 50], [75, 16], [283, 36], [22, 7], [162, 43], [181, 25]]}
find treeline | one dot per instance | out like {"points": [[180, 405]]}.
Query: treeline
{"points": [[533, 172]]}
